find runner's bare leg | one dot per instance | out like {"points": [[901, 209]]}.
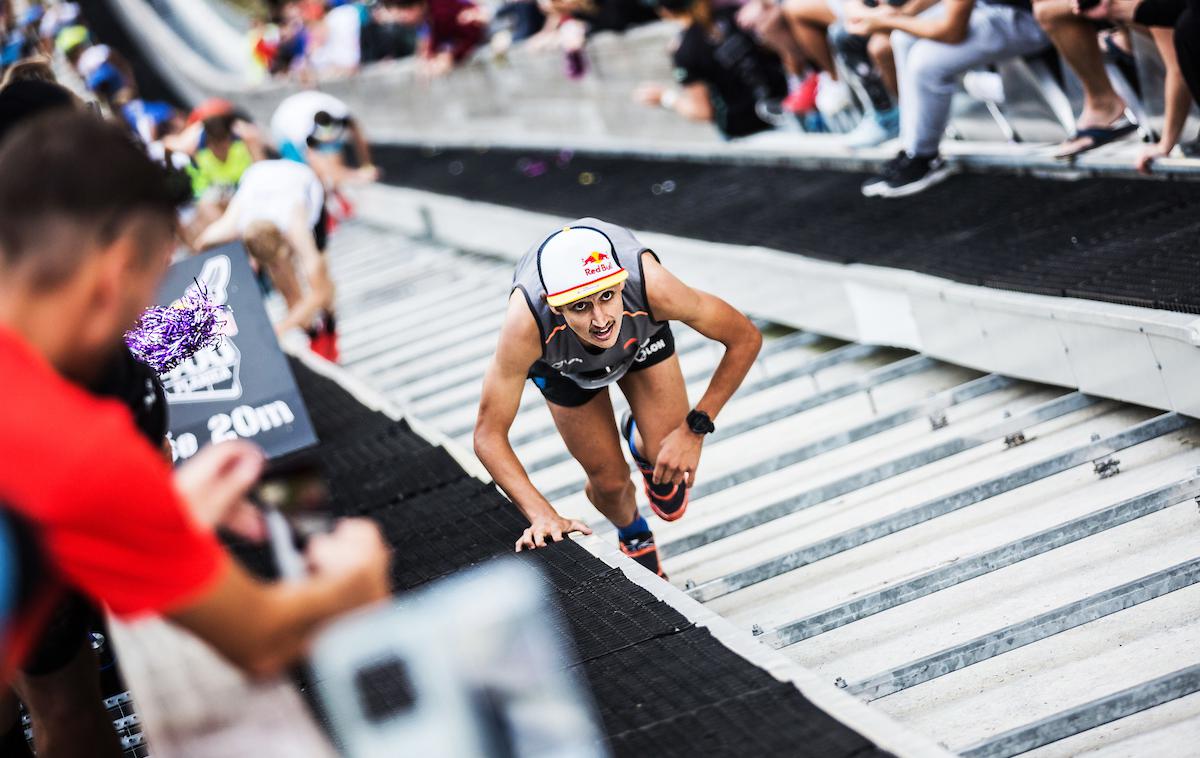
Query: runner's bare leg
{"points": [[658, 398], [590, 433]]}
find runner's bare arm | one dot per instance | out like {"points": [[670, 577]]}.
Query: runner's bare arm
{"points": [[519, 346], [672, 300], [224, 229]]}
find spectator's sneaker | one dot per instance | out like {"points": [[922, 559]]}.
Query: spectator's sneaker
{"points": [[833, 96], [987, 86], [915, 175], [668, 501], [803, 99], [642, 549], [875, 129], [873, 186]]}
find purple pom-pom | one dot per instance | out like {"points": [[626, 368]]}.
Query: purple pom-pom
{"points": [[166, 336]]}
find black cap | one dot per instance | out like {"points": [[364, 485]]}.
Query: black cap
{"points": [[25, 99]]}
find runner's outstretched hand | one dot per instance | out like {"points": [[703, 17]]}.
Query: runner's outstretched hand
{"points": [[678, 457], [554, 527]]}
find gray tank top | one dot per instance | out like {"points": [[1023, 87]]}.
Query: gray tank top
{"points": [[564, 352]]}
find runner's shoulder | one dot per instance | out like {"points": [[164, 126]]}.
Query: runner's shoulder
{"points": [[520, 333]]}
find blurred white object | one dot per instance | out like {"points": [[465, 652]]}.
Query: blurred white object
{"points": [[833, 96], [472, 666], [192, 703], [987, 86]]}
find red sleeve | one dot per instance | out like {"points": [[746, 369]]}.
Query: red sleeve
{"points": [[120, 533]]}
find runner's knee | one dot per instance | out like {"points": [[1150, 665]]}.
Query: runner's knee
{"points": [[610, 488]]}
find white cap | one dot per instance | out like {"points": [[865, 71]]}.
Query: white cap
{"points": [[576, 262]]}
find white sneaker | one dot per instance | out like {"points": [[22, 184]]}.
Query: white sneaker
{"points": [[833, 97], [987, 86], [874, 129]]}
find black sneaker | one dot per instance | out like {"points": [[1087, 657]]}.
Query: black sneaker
{"points": [[642, 549], [914, 175], [668, 501], [887, 171]]}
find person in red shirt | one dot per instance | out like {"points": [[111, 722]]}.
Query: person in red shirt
{"points": [[86, 231]]}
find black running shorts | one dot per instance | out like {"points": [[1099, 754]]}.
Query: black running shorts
{"points": [[560, 390]]}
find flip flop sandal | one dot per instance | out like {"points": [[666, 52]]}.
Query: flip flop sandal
{"points": [[1099, 136]]}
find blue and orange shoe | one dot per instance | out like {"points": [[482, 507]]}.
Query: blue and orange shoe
{"points": [[667, 500], [642, 549]]}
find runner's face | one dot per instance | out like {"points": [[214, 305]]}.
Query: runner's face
{"points": [[597, 319]]}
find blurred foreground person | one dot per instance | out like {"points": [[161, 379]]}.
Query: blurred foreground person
{"points": [[278, 213], [590, 307], [86, 232]]}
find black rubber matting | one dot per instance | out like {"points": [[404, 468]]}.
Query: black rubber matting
{"points": [[662, 686], [1124, 241]]}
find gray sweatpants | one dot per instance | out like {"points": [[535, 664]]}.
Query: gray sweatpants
{"points": [[929, 71]]}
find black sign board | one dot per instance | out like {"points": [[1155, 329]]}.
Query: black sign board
{"points": [[243, 388]]}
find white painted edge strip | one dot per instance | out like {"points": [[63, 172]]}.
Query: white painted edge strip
{"points": [[871, 723]]}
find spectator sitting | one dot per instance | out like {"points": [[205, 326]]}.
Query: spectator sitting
{"points": [[385, 37], [518, 20], [1175, 28], [724, 74], [811, 22], [335, 41], [278, 212], [932, 51], [103, 70], [870, 58], [1103, 118], [767, 21], [447, 32], [313, 127], [86, 230]]}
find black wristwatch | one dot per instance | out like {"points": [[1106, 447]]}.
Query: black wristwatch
{"points": [[699, 422]]}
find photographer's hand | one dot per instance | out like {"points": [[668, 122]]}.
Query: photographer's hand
{"points": [[214, 484]]}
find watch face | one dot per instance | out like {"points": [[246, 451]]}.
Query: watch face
{"points": [[699, 422]]}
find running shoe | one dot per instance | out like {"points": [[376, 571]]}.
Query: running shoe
{"points": [[642, 549], [803, 99], [668, 501]]}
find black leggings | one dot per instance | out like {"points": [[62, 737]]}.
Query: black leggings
{"points": [[1184, 17]]}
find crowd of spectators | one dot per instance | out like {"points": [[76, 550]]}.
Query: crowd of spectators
{"points": [[872, 71]]}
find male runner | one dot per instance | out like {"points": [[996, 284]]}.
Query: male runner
{"points": [[590, 307]]}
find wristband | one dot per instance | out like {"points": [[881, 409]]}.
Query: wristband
{"points": [[668, 99]]}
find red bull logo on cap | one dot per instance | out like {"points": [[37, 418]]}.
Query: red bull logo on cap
{"points": [[596, 264]]}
